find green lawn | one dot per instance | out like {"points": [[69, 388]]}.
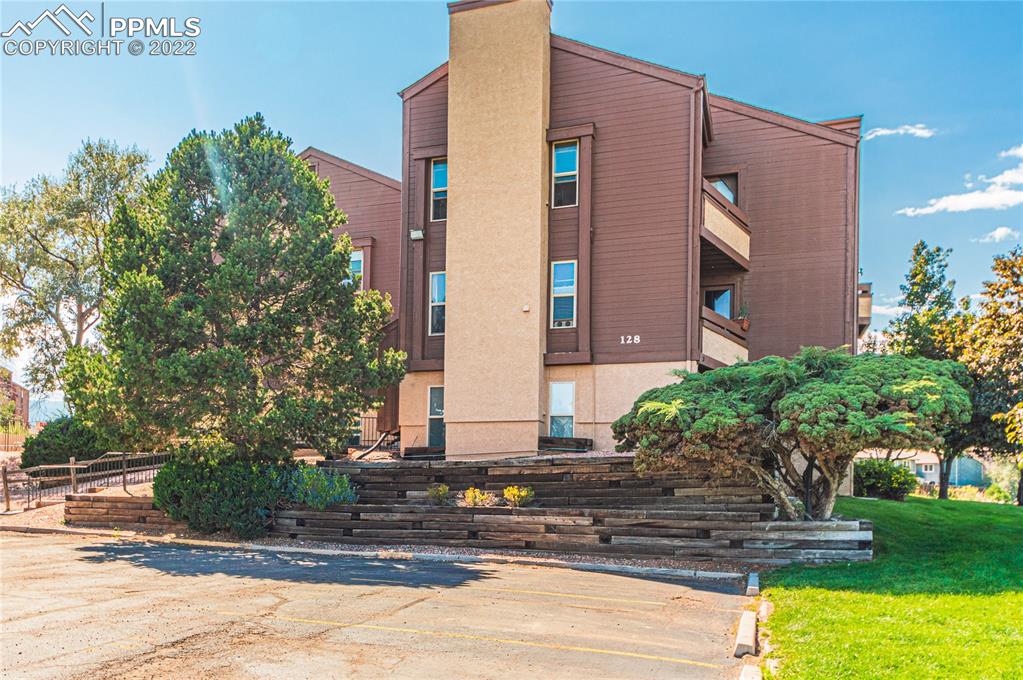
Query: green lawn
{"points": [[943, 597]]}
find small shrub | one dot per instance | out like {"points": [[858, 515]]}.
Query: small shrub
{"points": [[927, 489], [965, 493], [438, 494], [213, 495], [473, 498], [997, 494], [518, 496], [317, 488], [882, 479], [58, 441]]}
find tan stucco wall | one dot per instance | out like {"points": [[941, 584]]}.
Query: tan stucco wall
{"points": [[605, 392], [721, 225], [498, 105], [723, 349], [412, 397]]}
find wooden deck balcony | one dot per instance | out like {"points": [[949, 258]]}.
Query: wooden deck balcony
{"points": [[725, 226], [723, 341]]}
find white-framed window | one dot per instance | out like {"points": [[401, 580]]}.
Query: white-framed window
{"points": [[356, 267], [438, 189], [438, 299], [565, 175], [925, 468], [563, 294], [435, 416], [561, 409]]}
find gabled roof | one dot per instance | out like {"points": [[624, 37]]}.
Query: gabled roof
{"points": [[832, 133], [351, 167], [425, 82], [626, 62]]}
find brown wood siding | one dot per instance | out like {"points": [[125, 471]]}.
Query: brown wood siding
{"points": [[799, 192], [640, 206], [374, 211], [428, 127]]}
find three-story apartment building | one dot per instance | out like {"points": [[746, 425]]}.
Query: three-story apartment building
{"points": [[573, 224]]}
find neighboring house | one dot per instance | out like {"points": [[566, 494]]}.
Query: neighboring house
{"points": [[17, 394], [966, 470], [574, 224]]}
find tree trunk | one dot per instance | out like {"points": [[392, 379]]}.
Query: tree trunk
{"points": [[1019, 488], [944, 472]]}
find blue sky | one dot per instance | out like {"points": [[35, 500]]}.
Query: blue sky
{"points": [[326, 74]]}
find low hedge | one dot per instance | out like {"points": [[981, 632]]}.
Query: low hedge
{"points": [[59, 441], [880, 478], [218, 493]]}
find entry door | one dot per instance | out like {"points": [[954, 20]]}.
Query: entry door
{"points": [[435, 413]]}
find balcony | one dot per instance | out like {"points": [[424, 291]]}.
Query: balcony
{"points": [[725, 227], [864, 307], [722, 341]]}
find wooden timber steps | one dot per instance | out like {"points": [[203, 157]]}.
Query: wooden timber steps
{"points": [[692, 534], [92, 510], [557, 481]]}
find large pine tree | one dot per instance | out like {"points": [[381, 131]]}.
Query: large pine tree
{"points": [[232, 311]]}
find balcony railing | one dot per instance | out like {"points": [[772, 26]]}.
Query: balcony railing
{"points": [[723, 341], [725, 226], [864, 307]]}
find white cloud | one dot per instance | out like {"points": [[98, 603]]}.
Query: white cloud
{"points": [[1015, 152], [918, 130], [887, 310], [997, 235], [999, 194]]}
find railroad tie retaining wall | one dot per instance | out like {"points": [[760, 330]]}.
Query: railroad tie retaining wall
{"points": [[724, 532], [92, 510], [587, 482]]}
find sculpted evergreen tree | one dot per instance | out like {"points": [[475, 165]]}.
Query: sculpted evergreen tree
{"points": [[762, 419], [52, 254], [232, 312]]}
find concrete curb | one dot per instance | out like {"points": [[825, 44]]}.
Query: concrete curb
{"points": [[746, 637], [398, 555], [751, 672], [753, 584]]}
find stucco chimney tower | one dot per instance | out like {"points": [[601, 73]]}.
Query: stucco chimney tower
{"points": [[498, 112]]}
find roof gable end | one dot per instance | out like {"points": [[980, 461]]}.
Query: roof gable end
{"points": [[313, 152]]}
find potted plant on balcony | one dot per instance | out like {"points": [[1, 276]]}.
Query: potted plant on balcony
{"points": [[742, 318]]}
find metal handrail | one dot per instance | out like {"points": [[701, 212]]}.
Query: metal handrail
{"points": [[38, 481]]}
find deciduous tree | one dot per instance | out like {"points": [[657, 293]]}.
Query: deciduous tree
{"points": [[52, 254]]}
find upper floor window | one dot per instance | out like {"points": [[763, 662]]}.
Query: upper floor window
{"points": [[356, 267], [566, 174], [719, 300], [438, 299], [439, 189], [727, 186], [563, 294]]}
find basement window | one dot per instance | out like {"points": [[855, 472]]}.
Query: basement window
{"points": [[727, 186], [563, 294], [438, 300], [562, 409], [565, 191], [438, 189]]}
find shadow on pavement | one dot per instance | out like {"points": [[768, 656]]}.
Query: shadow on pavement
{"points": [[298, 568]]}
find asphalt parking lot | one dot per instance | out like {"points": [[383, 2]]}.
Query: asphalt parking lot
{"points": [[95, 607]]}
